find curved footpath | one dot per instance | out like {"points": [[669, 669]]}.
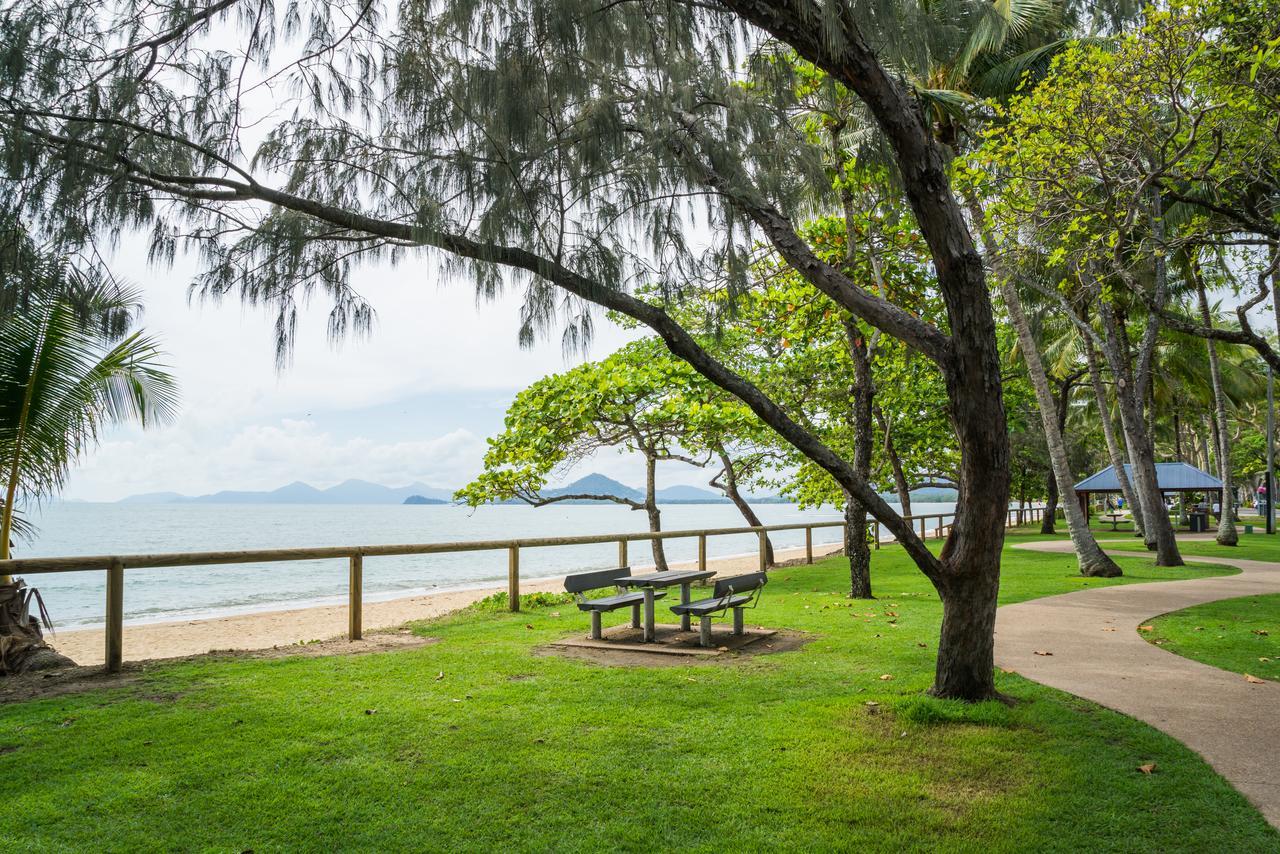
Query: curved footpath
{"points": [[1098, 654]]}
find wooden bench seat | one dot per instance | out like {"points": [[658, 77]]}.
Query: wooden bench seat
{"points": [[738, 592], [579, 583]]}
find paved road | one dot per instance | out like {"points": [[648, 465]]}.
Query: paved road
{"points": [[1099, 655]]}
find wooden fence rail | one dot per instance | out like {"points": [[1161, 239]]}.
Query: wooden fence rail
{"points": [[115, 565]]}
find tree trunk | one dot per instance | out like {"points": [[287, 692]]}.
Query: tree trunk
{"points": [[1158, 532], [1093, 561], [1048, 522], [856, 548], [855, 514], [900, 484], [730, 489], [651, 510], [1227, 535], [1109, 435], [967, 640]]}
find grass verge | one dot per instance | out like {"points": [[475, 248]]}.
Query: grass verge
{"points": [[478, 742], [1241, 635]]}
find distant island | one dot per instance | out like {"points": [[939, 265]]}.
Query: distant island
{"points": [[364, 492]]}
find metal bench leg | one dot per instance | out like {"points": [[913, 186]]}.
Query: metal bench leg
{"points": [[705, 630], [737, 621], [595, 625], [635, 616]]}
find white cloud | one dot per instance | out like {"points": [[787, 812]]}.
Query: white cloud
{"points": [[245, 426], [265, 456]]}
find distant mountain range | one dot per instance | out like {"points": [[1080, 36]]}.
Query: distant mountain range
{"points": [[347, 492], [598, 484], [364, 492]]}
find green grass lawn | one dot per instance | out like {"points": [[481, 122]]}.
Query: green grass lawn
{"points": [[508, 750], [1255, 546], [1241, 635]]}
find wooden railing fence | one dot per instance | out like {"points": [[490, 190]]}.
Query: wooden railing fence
{"points": [[115, 565]]}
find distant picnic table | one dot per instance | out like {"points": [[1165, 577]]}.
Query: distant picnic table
{"points": [[1115, 518]]}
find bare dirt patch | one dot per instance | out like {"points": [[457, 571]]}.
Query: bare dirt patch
{"points": [[780, 641], [75, 680]]}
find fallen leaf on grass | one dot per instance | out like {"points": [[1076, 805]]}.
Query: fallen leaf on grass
{"points": [[1007, 670], [886, 677], [528, 625], [923, 645], [1263, 658], [1249, 677], [1199, 628], [555, 613], [1262, 632], [370, 711], [1146, 628], [439, 675], [1148, 768], [1043, 652]]}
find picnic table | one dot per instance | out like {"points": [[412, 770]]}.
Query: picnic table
{"points": [[1115, 519], [655, 580]]}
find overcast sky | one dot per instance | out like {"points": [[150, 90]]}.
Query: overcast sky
{"points": [[414, 402]]}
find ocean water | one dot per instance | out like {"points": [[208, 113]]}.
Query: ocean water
{"points": [[76, 599]]}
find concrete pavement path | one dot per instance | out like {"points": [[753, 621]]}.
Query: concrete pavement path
{"points": [[1098, 654]]}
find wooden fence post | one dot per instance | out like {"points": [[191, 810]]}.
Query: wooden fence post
{"points": [[764, 551], [876, 526], [702, 552], [922, 527], [513, 578], [622, 553], [115, 616], [355, 599], [808, 544]]}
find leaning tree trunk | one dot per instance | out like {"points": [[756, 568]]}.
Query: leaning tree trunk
{"points": [[1109, 436], [1227, 535], [1048, 523], [1158, 532], [731, 491], [1093, 561], [900, 484], [651, 510]]}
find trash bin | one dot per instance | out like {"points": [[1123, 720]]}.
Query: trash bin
{"points": [[1199, 523], [1248, 529]]}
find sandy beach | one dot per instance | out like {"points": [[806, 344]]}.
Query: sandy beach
{"points": [[299, 625]]}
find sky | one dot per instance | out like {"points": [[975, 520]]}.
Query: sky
{"points": [[414, 402]]}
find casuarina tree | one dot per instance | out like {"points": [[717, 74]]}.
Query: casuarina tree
{"points": [[576, 147]]}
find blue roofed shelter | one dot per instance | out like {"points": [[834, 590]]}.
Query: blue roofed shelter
{"points": [[1170, 477]]}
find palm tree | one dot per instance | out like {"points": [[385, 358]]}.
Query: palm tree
{"points": [[66, 372]]}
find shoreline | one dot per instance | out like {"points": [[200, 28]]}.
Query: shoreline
{"points": [[289, 626]]}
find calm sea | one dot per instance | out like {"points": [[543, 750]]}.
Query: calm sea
{"points": [[75, 599]]}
